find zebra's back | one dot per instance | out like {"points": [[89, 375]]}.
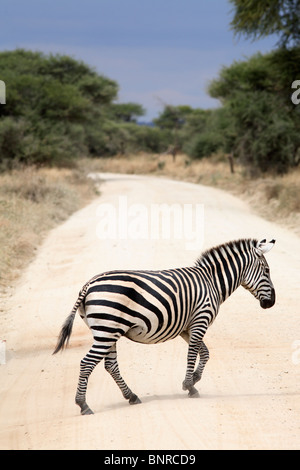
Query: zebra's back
{"points": [[146, 306]]}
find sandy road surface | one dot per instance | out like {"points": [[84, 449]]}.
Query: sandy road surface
{"points": [[250, 391]]}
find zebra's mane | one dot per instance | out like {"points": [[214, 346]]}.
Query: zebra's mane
{"points": [[236, 245]]}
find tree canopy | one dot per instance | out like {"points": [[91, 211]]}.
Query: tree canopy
{"points": [[257, 94], [257, 19], [58, 108]]}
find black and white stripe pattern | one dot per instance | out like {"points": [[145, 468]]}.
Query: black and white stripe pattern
{"points": [[155, 306]]}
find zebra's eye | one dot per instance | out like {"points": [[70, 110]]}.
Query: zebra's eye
{"points": [[267, 270]]}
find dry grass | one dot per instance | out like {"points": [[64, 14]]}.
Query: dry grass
{"points": [[277, 199], [31, 203]]}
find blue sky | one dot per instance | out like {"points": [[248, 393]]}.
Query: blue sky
{"points": [[159, 52]]}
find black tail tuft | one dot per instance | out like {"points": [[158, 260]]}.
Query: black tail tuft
{"points": [[66, 330], [65, 333]]}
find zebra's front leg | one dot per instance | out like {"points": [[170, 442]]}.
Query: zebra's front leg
{"points": [[204, 356], [111, 365], [188, 383]]}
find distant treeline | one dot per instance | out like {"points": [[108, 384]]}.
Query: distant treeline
{"points": [[58, 109]]}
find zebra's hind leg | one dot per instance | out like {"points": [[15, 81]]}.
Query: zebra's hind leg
{"points": [[111, 365], [87, 365]]}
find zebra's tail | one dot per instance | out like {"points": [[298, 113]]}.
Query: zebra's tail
{"points": [[66, 330], [65, 333]]}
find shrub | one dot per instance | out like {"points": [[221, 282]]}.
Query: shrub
{"points": [[203, 145]]}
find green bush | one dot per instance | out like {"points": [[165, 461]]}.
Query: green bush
{"points": [[203, 145], [12, 143]]}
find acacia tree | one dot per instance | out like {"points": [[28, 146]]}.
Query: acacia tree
{"points": [[171, 120], [265, 123], [127, 112], [261, 18], [54, 105]]}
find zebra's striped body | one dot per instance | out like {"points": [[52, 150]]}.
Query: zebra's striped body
{"points": [[155, 306]]}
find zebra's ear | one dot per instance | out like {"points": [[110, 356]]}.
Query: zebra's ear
{"points": [[263, 246]]}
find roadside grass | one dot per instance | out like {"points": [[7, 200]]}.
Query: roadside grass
{"points": [[32, 202]]}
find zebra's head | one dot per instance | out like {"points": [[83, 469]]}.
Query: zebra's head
{"points": [[257, 276]]}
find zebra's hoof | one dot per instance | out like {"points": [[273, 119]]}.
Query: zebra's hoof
{"points": [[134, 399], [84, 408], [193, 393], [87, 411], [196, 377]]}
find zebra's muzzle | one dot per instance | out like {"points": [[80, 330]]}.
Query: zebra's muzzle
{"points": [[267, 303]]}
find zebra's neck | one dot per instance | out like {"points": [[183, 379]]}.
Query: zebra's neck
{"points": [[224, 267]]}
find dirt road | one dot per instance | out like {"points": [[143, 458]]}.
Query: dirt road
{"points": [[250, 390]]}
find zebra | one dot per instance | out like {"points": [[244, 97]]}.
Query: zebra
{"points": [[155, 306]]}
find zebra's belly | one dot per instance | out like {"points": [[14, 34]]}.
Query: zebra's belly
{"points": [[139, 334]]}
